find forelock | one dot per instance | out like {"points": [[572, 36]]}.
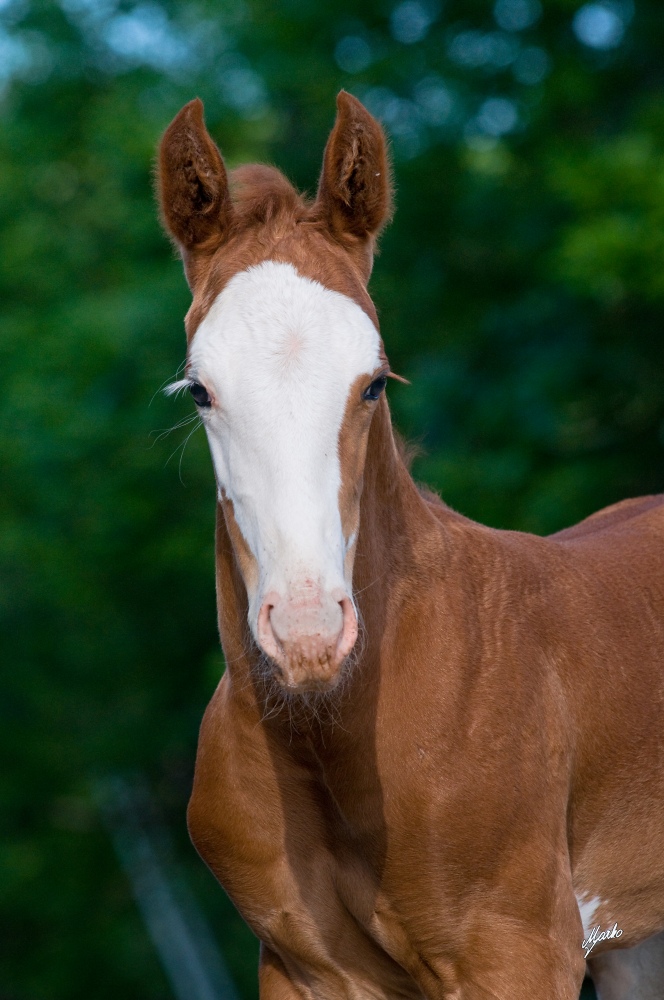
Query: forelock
{"points": [[262, 195]]}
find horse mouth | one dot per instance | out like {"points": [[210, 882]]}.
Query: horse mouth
{"points": [[305, 677]]}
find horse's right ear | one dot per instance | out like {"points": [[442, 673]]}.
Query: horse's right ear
{"points": [[193, 185]]}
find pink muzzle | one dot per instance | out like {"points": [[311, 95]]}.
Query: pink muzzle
{"points": [[308, 635]]}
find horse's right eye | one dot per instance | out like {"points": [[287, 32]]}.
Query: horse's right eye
{"points": [[200, 394]]}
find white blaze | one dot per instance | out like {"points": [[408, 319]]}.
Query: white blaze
{"points": [[279, 354]]}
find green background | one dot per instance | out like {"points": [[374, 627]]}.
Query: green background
{"points": [[520, 289]]}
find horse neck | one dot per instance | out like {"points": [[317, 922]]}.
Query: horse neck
{"points": [[398, 532]]}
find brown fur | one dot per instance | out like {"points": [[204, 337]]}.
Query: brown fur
{"points": [[497, 746]]}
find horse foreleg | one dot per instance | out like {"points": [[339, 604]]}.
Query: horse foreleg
{"points": [[255, 820]]}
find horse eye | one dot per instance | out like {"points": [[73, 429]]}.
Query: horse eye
{"points": [[375, 389], [200, 394]]}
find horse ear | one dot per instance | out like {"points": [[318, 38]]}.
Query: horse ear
{"points": [[193, 185], [355, 191]]}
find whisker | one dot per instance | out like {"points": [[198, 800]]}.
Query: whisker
{"points": [[356, 593], [183, 445], [186, 442], [176, 427]]}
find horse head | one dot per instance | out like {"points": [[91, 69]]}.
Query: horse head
{"points": [[286, 366]]}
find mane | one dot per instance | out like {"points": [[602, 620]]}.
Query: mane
{"points": [[262, 195], [408, 451]]}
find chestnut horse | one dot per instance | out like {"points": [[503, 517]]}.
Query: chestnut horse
{"points": [[434, 765]]}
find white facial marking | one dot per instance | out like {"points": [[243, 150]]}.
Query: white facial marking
{"points": [[279, 354], [588, 908]]}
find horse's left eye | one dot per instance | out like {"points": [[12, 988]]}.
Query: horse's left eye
{"points": [[375, 389], [200, 394]]}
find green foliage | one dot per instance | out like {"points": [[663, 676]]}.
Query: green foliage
{"points": [[520, 288]]}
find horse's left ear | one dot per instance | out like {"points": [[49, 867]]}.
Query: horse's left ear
{"points": [[355, 191]]}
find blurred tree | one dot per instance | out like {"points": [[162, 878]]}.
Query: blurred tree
{"points": [[520, 289]]}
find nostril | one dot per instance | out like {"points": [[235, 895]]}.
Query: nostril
{"points": [[348, 635], [268, 636]]}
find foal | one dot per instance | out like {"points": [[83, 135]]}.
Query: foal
{"points": [[467, 801]]}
